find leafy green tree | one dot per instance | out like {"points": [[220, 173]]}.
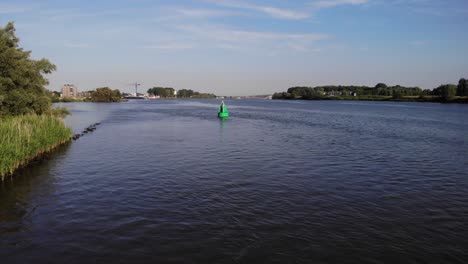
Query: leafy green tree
{"points": [[462, 88], [162, 91], [169, 92], [184, 93], [21, 78], [158, 91], [446, 92], [54, 96], [106, 95], [397, 94], [426, 92], [380, 89], [283, 95], [203, 95], [381, 85]]}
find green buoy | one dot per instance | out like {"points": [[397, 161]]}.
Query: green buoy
{"points": [[223, 111]]}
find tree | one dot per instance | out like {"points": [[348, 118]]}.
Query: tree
{"points": [[397, 94], [162, 91], [381, 85], [426, 92], [157, 91], [446, 92], [105, 95], [462, 88], [21, 78], [184, 93], [169, 92]]}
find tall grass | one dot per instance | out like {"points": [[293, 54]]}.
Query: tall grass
{"points": [[24, 138]]}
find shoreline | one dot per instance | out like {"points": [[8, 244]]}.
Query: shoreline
{"points": [[370, 99], [28, 138]]}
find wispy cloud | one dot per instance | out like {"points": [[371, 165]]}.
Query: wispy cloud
{"points": [[74, 14], [333, 3], [13, 8], [303, 48], [275, 12], [203, 13], [428, 7], [220, 36], [236, 35]]}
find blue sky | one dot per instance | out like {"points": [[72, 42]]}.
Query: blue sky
{"points": [[237, 47]]}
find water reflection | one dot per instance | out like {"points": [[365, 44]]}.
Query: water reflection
{"points": [[223, 125], [85, 114], [21, 194]]}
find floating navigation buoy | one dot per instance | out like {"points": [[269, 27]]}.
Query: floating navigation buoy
{"points": [[223, 111]]}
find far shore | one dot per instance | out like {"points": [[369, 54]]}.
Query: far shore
{"points": [[425, 99]]}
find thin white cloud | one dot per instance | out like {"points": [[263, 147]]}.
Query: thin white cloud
{"points": [[236, 35], [303, 48], [203, 13], [219, 36], [333, 3], [13, 8], [275, 12], [426, 7], [281, 13]]}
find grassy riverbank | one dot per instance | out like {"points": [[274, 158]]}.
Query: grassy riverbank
{"points": [[27, 137]]}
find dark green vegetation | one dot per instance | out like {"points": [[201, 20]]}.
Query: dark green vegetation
{"points": [[381, 92], [105, 95], [164, 92], [21, 78], [100, 95], [462, 88], [168, 92], [59, 99], [184, 93], [29, 126]]}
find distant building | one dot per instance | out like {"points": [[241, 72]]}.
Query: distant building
{"points": [[333, 93], [84, 94], [69, 90]]}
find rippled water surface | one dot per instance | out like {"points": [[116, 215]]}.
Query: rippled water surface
{"points": [[279, 182]]}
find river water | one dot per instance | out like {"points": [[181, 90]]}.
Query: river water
{"points": [[165, 181]]}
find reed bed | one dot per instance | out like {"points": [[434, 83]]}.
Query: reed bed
{"points": [[25, 138]]}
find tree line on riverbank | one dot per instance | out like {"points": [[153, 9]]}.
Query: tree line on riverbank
{"points": [[100, 95], [29, 126], [106, 95], [443, 93], [169, 92]]}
